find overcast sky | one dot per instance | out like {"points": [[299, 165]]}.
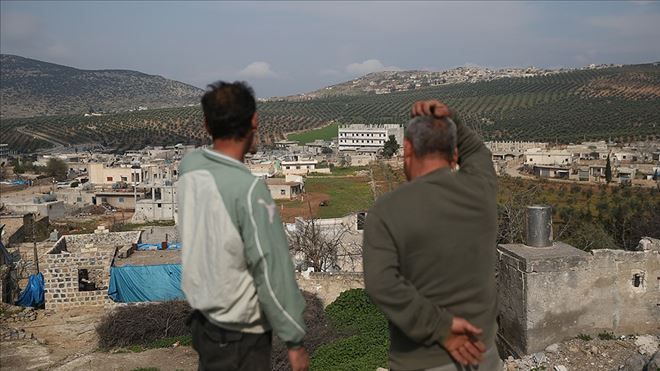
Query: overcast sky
{"points": [[284, 48]]}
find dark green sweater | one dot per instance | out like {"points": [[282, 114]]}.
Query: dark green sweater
{"points": [[429, 255]]}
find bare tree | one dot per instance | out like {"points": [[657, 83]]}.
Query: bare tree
{"points": [[324, 247], [511, 211]]}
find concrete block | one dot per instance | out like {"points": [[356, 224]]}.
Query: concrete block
{"points": [[556, 293]]}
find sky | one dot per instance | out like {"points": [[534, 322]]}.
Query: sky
{"points": [[284, 48]]}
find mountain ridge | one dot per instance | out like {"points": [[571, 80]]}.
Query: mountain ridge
{"points": [[32, 87]]}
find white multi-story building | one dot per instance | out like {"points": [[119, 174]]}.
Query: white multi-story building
{"points": [[358, 136]]}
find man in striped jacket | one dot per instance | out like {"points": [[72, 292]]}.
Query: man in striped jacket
{"points": [[237, 273]]}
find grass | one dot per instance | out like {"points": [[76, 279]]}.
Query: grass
{"points": [[290, 203], [326, 133], [122, 227], [347, 195], [342, 171]]}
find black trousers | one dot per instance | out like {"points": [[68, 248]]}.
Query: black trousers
{"points": [[223, 350]]}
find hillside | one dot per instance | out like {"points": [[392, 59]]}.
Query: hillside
{"points": [[386, 82], [618, 103], [30, 87]]}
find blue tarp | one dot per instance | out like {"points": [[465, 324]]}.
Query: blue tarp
{"points": [[141, 283], [156, 246], [33, 295]]}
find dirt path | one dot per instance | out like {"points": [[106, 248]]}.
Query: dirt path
{"points": [[56, 143], [179, 358], [67, 340]]}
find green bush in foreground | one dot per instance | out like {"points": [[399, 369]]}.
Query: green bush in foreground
{"points": [[367, 348]]}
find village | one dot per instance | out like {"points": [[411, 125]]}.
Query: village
{"points": [[106, 236]]}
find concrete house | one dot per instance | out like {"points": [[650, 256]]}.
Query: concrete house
{"points": [[280, 189]]}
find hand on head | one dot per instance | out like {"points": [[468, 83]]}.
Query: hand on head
{"points": [[430, 108], [463, 344]]}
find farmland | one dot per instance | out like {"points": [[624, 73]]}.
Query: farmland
{"points": [[617, 103]]}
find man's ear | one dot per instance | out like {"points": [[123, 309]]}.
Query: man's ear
{"points": [[407, 148], [255, 121]]}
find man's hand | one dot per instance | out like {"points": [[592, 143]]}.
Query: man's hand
{"points": [[430, 108], [462, 343], [299, 359]]}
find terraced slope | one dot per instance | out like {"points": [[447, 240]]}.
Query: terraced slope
{"points": [[619, 103]]}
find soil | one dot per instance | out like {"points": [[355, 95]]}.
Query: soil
{"points": [[290, 210], [68, 341], [577, 354]]}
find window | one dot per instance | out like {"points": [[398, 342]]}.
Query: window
{"points": [[283, 192], [124, 179], [160, 205], [637, 280], [121, 199], [108, 179], [84, 282]]}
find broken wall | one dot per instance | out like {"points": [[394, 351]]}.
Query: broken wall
{"points": [[328, 286], [551, 294], [64, 286]]}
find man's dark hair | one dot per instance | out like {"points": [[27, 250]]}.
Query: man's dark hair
{"points": [[228, 109], [430, 135]]}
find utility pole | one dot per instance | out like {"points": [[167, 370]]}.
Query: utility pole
{"points": [[34, 241]]}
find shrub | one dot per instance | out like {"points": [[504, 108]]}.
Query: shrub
{"points": [[584, 337], [606, 336], [366, 349], [319, 332], [143, 324]]}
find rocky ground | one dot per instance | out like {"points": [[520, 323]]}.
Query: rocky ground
{"points": [[626, 353], [42, 340], [39, 340]]}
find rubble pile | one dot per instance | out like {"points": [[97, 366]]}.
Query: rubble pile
{"points": [[624, 353]]}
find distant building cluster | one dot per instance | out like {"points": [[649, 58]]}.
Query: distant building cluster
{"points": [[586, 161]]}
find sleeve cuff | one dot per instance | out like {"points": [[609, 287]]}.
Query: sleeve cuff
{"points": [[294, 345]]}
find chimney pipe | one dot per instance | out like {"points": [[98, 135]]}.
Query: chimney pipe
{"points": [[539, 226]]}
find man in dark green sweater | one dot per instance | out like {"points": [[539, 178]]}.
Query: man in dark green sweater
{"points": [[429, 248]]}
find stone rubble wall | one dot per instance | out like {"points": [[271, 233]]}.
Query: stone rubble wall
{"points": [[328, 286], [61, 279], [81, 241]]}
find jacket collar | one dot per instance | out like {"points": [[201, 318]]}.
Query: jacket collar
{"points": [[221, 157]]}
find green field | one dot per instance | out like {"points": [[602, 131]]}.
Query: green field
{"points": [[347, 195], [325, 133]]}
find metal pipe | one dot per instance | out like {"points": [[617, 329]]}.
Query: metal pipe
{"points": [[539, 226]]}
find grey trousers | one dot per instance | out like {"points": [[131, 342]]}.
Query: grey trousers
{"points": [[492, 362]]}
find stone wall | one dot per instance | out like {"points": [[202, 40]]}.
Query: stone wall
{"points": [[91, 254], [62, 286], [78, 242], [328, 286], [551, 294]]}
